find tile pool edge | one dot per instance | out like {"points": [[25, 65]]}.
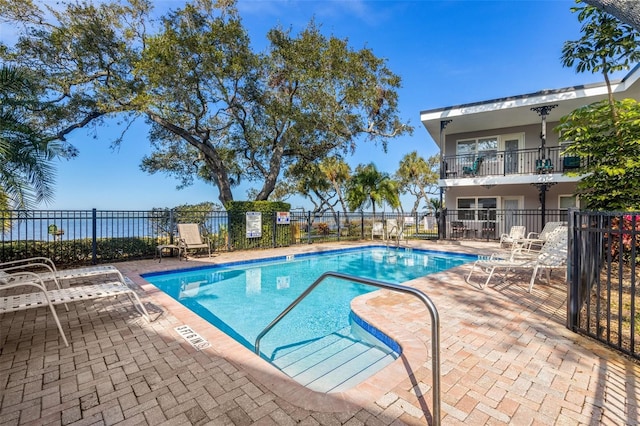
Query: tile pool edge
{"points": [[303, 255]]}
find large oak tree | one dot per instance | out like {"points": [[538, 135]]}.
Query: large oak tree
{"points": [[217, 110]]}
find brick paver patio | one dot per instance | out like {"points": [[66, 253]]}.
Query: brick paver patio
{"points": [[506, 358]]}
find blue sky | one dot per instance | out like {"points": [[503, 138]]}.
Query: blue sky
{"points": [[446, 52]]}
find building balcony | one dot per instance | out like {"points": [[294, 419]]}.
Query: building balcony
{"points": [[497, 164]]}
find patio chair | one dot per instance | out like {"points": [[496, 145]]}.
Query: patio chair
{"points": [[515, 235], [47, 270], [475, 167], [189, 239], [377, 230], [458, 229], [552, 256], [44, 297]]}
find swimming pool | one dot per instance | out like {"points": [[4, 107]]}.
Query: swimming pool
{"points": [[241, 299]]}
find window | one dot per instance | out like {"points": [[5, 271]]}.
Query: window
{"points": [[487, 148], [477, 208], [568, 201]]}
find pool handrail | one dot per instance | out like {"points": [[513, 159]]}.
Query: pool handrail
{"points": [[435, 324]]}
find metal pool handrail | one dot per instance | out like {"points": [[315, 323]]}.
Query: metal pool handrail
{"points": [[435, 324]]}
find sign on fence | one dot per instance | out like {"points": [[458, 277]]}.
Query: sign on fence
{"points": [[254, 224], [283, 218]]}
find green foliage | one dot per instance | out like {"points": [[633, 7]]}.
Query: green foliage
{"points": [[370, 188], [610, 153], [165, 219], [418, 176], [607, 45], [79, 252], [26, 170], [238, 224], [218, 111]]}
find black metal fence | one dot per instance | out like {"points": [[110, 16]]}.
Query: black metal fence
{"points": [[603, 299], [490, 224], [75, 237]]}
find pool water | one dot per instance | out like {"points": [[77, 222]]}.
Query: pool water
{"points": [[241, 299]]}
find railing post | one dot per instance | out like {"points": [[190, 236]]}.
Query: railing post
{"points": [[431, 307], [94, 233], [309, 227], [338, 214]]}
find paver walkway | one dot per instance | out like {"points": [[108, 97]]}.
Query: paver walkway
{"points": [[506, 358]]}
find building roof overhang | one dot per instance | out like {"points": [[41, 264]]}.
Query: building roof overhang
{"points": [[516, 110]]}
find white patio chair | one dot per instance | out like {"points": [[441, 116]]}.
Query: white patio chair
{"points": [[552, 256], [377, 230], [516, 234], [45, 297]]}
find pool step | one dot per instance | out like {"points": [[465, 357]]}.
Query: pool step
{"points": [[335, 362]]}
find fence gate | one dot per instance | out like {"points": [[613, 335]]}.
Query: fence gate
{"points": [[603, 300]]}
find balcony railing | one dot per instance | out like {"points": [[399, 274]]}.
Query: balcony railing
{"points": [[502, 163]]}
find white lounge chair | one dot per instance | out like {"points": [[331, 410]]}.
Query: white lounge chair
{"points": [[552, 256], [47, 270], [190, 239], [516, 233], [377, 230], [44, 297], [535, 240]]}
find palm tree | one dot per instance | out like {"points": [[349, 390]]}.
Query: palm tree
{"points": [[370, 187], [26, 170]]}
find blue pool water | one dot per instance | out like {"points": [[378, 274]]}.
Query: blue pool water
{"points": [[241, 299]]}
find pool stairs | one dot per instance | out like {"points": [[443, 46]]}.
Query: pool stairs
{"points": [[335, 362]]}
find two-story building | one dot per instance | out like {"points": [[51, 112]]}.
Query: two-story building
{"points": [[503, 155]]}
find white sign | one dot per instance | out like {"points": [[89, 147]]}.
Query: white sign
{"points": [[283, 218], [254, 224]]}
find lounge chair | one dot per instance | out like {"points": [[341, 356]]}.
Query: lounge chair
{"points": [[552, 256], [515, 235], [47, 270], [44, 297], [377, 230], [190, 239], [535, 240]]}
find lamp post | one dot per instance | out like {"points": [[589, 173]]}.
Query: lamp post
{"points": [[543, 187], [441, 223]]}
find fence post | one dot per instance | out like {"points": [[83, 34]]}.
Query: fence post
{"points": [[171, 226], [573, 266], [94, 233], [338, 214], [309, 227], [361, 225], [274, 228], [442, 226]]}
